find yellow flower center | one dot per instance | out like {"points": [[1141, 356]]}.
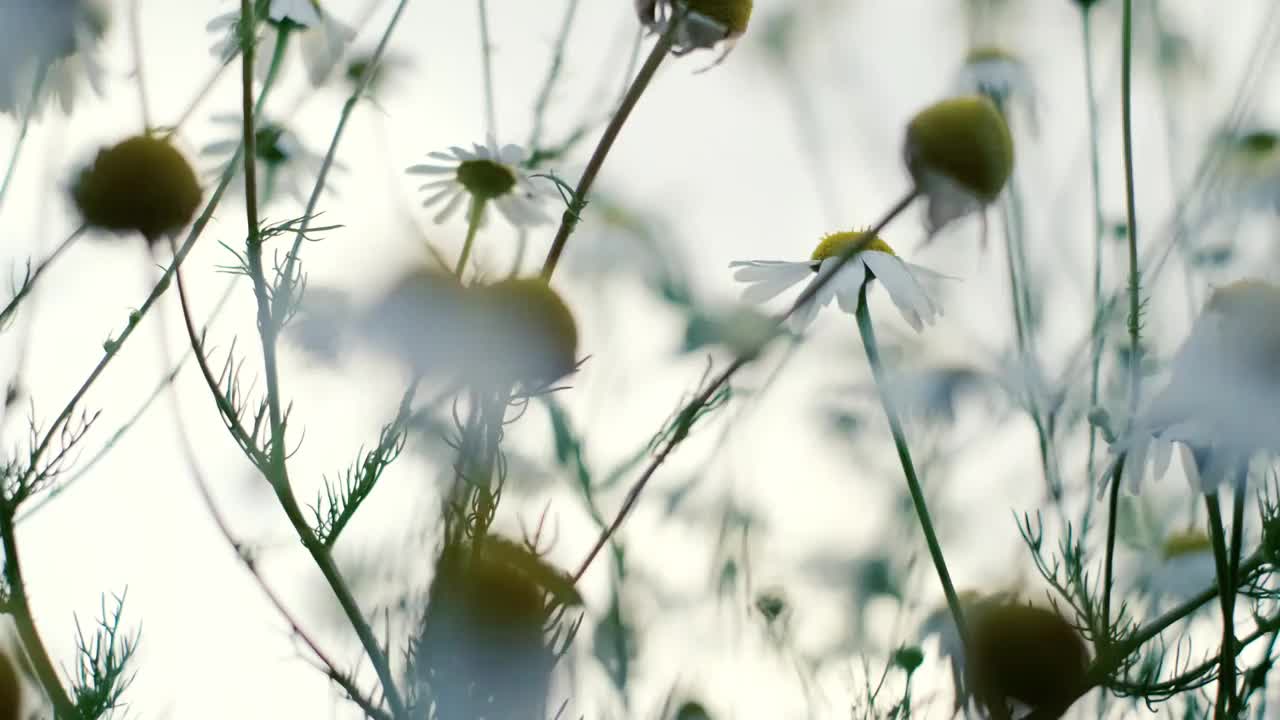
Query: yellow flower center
{"points": [[837, 244], [1187, 542], [486, 179], [732, 14], [990, 54]]}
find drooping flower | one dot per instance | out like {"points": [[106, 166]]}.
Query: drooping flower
{"points": [[48, 48], [707, 24], [960, 155], [873, 260], [488, 174], [323, 41], [1001, 76], [142, 184], [1025, 656], [1221, 404], [282, 161], [528, 336]]}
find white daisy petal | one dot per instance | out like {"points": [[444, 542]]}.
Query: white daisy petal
{"points": [[803, 317], [437, 184], [323, 47], [449, 207], [443, 156], [440, 195], [766, 283], [302, 12], [511, 154], [905, 292], [461, 154], [747, 270], [848, 285], [429, 170]]}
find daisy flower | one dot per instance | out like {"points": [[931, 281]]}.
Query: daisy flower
{"points": [[1001, 76], [766, 279], [1221, 404], [1183, 565], [486, 174], [281, 158], [46, 49], [960, 155], [709, 22], [324, 38], [1021, 654]]}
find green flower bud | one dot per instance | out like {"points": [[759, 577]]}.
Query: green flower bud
{"points": [[1022, 652], [140, 185], [960, 154]]}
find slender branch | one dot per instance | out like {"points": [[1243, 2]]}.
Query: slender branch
{"points": [[690, 410], [1095, 173], [19, 608], [1126, 93], [572, 214], [1109, 560], [473, 225], [135, 41], [553, 75], [37, 86], [1226, 697], [486, 60], [44, 265]]}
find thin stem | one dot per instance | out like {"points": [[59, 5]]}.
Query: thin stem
{"points": [[867, 331], [1126, 94], [690, 410], [19, 607], [473, 226], [30, 283], [1109, 561], [37, 86], [553, 75], [1226, 698], [486, 59], [1095, 173], [572, 214], [200, 95], [135, 38]]}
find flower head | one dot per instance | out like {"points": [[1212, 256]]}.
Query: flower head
{"points": [[999, 75], [960, 154], [46, 48], [281, 160], [486, 174], [323, 42], [528, 334], [483, 648], [872, 259], [707, 24], [142, 184], [1249, 174], [1222, 400], [1020, 654]]}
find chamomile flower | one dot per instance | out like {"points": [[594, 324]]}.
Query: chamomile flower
{"points": [[960, 155], [323, 41], [485, 174], [708, 23], [766, 279], [47, 49], [282, 161], [1222, 400], [1183, 566], [999, 75], [1021, 654]]}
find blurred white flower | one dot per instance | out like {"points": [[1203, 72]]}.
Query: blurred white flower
{"points": [[486, 173], [1001, 76], [766, 279], [1183, 566], [324, 38], [1249, 173], [1222, 401], [47, 49], [283, 162]]}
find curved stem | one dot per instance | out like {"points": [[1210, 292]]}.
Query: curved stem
{"points": [[1226, 697], [572, 214], [473, 226], [1126, 93], [30, 283], [1109, 561]]}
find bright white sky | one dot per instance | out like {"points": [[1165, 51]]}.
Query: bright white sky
{"points": [[719, 156]]}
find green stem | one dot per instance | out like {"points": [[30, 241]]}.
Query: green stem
{"points": [[1226, 700], [572, 214], [1126, 92], [553, 75], [1095, 172], [486, 59], [473, 226], [37, 87], [30, 283], [1109, 560], [908, 468], [19, 608]]}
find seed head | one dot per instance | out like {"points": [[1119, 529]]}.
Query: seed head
{"points": [[965, 140], [1022, 652], [142, 184]]}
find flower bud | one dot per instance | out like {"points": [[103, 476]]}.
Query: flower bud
{"points": [[143, 184], [960, 155], [529, 335]]}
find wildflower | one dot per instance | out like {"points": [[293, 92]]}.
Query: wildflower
{"points": [[48, 47], [324, 38], [960, 154], [483, 648], [528, 335], [1185, 565], [142, 184], [874, 259], [282, 161], [1222, 400], [1249, 173], [1020, 654], [999, 75], [708, 23], [486, 173]]}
